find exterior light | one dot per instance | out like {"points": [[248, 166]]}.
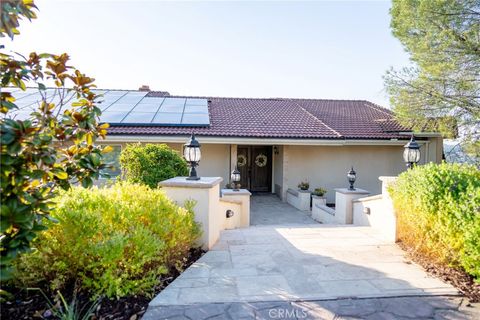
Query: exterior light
{"points": [[192, 154], [411, 153], [352, 176], [235, 177]]}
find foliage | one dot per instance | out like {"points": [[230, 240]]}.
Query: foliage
{"points": [[438, 213], [52, 149], [114, 241], [441, 91], [304, 185], [319, 192], [63, 310], [151, 163], [11, 12]]}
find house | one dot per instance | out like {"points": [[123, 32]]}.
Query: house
{"points": [[275, 142]]}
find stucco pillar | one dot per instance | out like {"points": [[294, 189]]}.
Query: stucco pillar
{"points": [[205, 192], [344, 204], [242, 195], [233, 157], [285, 173]]}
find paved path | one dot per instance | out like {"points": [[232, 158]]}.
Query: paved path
{"points": [[268, 209], [377, 308], [301, 262]]}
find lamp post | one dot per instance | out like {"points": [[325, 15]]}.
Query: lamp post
{"points": [[351, 176], [192, 154], [235, 177], [411, 153]]}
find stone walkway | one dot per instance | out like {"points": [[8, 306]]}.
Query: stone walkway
{"points": [[306, 262], [268, 209], [377, 308]]}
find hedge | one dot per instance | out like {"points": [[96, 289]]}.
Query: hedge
{"points": [[438, 213], [114, 241]]}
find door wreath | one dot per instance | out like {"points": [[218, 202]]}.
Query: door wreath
{"points": [[261, 160], [241, 160]]}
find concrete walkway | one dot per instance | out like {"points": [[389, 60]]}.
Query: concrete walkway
{"points": [[298, 263], [268, 209], [375, 308]]}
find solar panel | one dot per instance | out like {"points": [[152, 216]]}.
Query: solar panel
{"points": [[138, 117], [122, 107]]}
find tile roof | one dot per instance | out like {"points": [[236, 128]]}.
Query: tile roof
{"points": [[284, 118]]}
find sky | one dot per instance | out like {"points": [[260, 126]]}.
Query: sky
{"points": [[327, 50]]}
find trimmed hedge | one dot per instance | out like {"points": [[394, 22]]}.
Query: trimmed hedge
{"points": [[438, 213], [151, 163], [114, 241]]}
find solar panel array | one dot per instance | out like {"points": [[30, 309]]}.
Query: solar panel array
{"points": [[120, 107]]}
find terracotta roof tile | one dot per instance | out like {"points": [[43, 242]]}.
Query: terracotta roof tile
{"points": [[285, 118]]}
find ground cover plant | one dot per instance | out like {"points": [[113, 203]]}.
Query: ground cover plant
{"points": [[151, 163], [438, 212]]}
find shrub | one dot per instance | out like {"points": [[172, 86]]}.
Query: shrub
{"points": [[438, 211], [115, 241], [319, 192], [151, 163]]}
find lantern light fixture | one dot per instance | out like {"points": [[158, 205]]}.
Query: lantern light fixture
{"points": [[351, 176], [192, 154], [235, 178], [411, 153]]}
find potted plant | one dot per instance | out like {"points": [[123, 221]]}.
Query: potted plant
{"points": [[318, 196], [304, 185]]}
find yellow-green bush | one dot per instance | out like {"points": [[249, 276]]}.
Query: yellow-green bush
{"points": [[114, 241], [438, 213]]}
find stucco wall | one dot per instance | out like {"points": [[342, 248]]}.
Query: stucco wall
{"points": [[327, 166]]}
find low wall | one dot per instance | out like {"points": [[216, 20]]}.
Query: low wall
{"points": [[210, 209], [377, 212], [323, 214], [300, 199]]}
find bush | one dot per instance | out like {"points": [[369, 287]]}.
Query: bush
{"points": [[438, 211], [115, 241], [151, 163]]}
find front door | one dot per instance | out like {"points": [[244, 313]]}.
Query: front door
{"points": [[255, 166]]}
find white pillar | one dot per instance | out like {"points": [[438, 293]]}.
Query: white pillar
{"points": [[242, 195], [343, 204], [206, 193]]}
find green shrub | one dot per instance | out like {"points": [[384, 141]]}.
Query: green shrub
{"points": [[151, 163], [438, 212], [115, 241]]}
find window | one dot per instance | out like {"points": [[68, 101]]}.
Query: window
{"points": [[114, 158]]}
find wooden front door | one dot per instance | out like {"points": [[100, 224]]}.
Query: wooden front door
{"points": [[255, 166]]}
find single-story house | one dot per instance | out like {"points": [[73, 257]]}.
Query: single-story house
{"points": [[276, 142]]}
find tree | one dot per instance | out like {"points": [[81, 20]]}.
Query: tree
{"points": [[441, 90], [51, 150]]}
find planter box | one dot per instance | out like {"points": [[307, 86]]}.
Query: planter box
{"points": [[300, 199], [318, 200]]}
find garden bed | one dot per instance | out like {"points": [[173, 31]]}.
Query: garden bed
{"points": [[458, 278], [33, 305]]}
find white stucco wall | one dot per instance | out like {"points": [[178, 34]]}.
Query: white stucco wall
{"points": [[327, 166]]}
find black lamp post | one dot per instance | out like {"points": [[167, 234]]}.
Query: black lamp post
{"points": [[352, 176], [192, 154], [411, 153], [235, 177]]}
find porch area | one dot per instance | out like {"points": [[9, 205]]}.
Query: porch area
{"points": [[268, 209]]}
